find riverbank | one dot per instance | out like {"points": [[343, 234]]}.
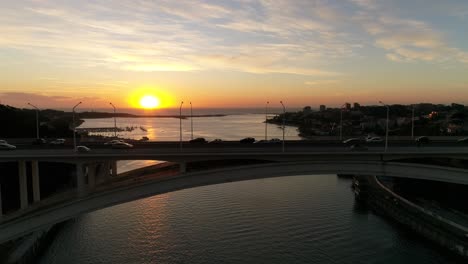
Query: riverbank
{"points": [[30, 248], [442, 231]]}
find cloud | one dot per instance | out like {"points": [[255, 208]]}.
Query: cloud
{"points": [[21, 99], [406, 40], [146, 36], [367, 4], [321, 82]]}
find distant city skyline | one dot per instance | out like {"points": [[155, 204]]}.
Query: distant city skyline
{"points": [[233, 54]]}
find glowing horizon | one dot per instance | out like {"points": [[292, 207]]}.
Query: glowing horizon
{"points": [[233, 53]]}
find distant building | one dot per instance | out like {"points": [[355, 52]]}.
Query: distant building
{"points": [[400, 121], [348, 106], [322, 108], [356, 106], [458, 106]]}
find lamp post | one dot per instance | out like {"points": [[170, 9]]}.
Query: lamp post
{"points": [[386, 130], [180, 124], [115, 121], [284, 122], [266, 119], [191, 120], [74, 126], [341, 121], [37, 119], [412, 123]]}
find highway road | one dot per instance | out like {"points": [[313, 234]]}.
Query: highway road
{"points": [[154, 150]]}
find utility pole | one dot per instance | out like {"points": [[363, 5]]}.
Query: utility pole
{"points": [[284, 122], [191, 119], [180, 124], [74, 126], [386, 130], [115, 122], [412, 123], [266, 119], [37, 119]]}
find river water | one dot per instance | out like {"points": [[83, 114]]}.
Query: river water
{"points": [[296, 219]]}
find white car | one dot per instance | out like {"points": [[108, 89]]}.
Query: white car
{"points": [[58, 141], [351, 141], [82, 149], [122, 145], [6, 146], [374, 139]]}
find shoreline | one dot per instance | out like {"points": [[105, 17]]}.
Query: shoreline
{"points": [[100, 115], [435, 228]]}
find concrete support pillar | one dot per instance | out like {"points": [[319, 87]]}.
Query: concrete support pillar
{"points": [[183, 167], [1, 205], [102, 172], [35, 181], [91, 175], [114, 168], [80, 180], [23, 184]]}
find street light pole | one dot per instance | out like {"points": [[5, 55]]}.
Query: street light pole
{"points": [[266, 119], [284, 122], [386, 130], [191, 119], [180, 124], [412, 123], [115, 121], [37, 119], [74, 126], [341, 121]]}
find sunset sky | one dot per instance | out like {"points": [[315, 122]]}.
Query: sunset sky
{"points": [[233, 53]]}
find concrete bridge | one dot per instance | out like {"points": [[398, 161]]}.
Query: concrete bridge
{"points": [[95, 171]]}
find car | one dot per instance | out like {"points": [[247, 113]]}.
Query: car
{"points": [[58, 141], [351, 141], [82, 149], [113, 142], [198, 140], [122, 145], [422, 140], [216, 141], [271, 141], [3, 141], [373, 139], [247, 140], [39, 141], [6, 146], [358, 147], [463, 140]]}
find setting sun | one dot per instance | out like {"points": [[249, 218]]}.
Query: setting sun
{"points": [[149, 102]]}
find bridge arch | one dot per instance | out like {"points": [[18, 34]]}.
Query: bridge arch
{"points": [[39, 219]]}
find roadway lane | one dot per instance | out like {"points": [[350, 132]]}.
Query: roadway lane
{"points": [[251, 150]]}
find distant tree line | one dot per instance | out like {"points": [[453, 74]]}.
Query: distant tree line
{"points": [[18, 123]]}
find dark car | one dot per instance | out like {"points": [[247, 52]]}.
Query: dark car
{"points": [[422, 140], [463, 140], [247, 140], [198, 140], [39, 141], [358, 147], [271, 141]]}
